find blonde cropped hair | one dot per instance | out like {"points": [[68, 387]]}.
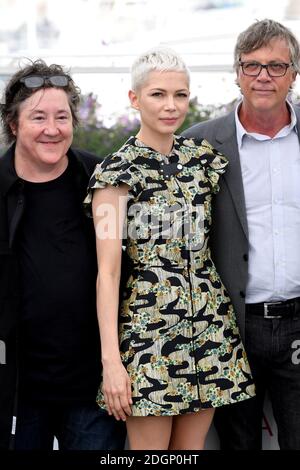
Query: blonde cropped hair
{"points": [[158, 58]]}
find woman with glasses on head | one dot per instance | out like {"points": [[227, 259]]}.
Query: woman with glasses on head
{"points": [[48, 272], [178, 354]]}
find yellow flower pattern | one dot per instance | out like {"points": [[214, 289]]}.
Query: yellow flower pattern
{"points": [[178, 335]]}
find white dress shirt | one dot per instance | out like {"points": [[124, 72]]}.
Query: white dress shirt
{"points": [[271, 179]]}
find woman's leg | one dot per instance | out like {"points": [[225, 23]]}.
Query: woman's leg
{"points": [[149, 432], [189, 431]]}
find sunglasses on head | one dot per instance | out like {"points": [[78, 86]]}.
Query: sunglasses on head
{"points": [[37, 81]]}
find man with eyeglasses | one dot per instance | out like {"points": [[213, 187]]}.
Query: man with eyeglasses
{"points": [[256, 231], [48, 271]]}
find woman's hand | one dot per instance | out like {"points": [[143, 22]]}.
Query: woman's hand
{"points": [[117, 390]]}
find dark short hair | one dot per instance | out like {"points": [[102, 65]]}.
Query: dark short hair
{"points": [[16, 92], [260, 34]]}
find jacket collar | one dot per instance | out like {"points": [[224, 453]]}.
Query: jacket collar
{"points": [[8, 175], [227, 131], [227, 144], [297, 112]]}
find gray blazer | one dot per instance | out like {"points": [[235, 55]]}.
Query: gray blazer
{"points": [[229, 234]]}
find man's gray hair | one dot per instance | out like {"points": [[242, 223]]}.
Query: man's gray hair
{"points": [[260, 34], [158, 58]]}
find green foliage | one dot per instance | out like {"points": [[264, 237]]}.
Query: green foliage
{"points": [[101, 139], [97, 138]]}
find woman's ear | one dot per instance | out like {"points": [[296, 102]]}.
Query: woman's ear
{"points": [[133, 99], [13, 127]]}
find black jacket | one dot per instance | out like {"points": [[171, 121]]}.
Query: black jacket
{"points": [[11, 209]]}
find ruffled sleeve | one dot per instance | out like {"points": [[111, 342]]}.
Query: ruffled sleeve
{"points": [[114, 170], [214, 163]]}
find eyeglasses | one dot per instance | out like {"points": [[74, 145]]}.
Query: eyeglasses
{"points": [[36, 81], [253, 69]]}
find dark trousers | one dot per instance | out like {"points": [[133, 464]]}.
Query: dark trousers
{"points": [[273, 348], [76, 427]]}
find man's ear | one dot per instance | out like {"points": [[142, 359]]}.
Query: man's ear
{"points": [[133, 97], [237, 78]]}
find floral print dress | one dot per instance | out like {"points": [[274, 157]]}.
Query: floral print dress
{"points": [[179, 340]]}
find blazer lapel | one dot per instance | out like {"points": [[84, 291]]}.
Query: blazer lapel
{"points": [[227, 144], [297, 111], [12, 198]]}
